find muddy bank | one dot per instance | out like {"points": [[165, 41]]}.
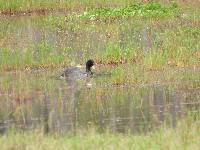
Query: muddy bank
{"points": [[38, 11]]}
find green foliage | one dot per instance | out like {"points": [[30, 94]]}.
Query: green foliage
{"points": [[149, 9], [43, 54], [55, 21], [194, 30], [125, 39], [118, 74], [24, 4], [115, 52], [155, 58], [185, 136]]}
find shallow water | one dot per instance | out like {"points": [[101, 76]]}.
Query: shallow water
{"points": [[38, 100], [66, 107]]}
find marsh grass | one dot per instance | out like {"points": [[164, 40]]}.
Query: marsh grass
{"points": [[49, 56], [140, 50], [153, 42], [154, 46], [26, 6], [42, 55], [185, 136], [192, 30], [149, 9]]}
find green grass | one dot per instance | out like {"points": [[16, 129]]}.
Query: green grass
{"points": [[46, 55], [149, 9], [107, 14], [192, 30], [24, 5], [139, 47], [185, 136], [43, 55], [115, 48], [153, 42]]}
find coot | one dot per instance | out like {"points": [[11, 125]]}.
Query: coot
{"points": [[74, 73]]}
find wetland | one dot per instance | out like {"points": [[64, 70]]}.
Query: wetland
{"points": [[145, 90]]}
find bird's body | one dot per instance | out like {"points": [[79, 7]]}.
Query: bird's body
{"points": [[74, 73], [78, 72]]}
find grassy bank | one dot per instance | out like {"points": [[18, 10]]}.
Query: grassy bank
{"points": [[185, 136], [23, 4], [23, 7], [40, 6], [155, 48], [146, 38]]}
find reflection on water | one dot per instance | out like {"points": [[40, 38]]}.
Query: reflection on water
{"points": [[71, 107]]}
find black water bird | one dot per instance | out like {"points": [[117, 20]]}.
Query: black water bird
{"points": [[74, 73]]}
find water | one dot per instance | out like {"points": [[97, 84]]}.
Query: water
{"points": [[36, 99], [68, 107]]}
